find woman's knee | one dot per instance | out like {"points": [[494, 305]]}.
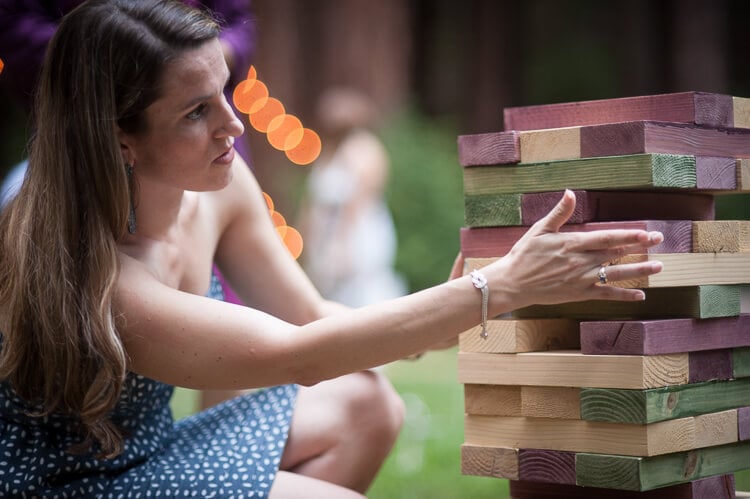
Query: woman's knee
{"points": [[375, 405]]}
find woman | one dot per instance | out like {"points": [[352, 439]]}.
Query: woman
{"points": [[133, 190]]}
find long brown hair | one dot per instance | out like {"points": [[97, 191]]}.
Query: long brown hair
{"points": [[58, 253]]}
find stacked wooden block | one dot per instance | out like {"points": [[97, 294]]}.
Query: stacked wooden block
{"points": [[615, 399]]}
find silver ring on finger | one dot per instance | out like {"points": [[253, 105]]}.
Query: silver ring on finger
{"points": [[602, 275]]}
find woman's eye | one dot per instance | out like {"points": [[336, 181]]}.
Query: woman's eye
{"points": [[197, 112]]}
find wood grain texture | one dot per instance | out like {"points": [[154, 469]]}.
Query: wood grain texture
{"points": [[647, 473], [638, 137], [743, 423], [517, 400], [550, 145], [488, 242], [718, 487], [661, 404], [684, 107], [700, 302], [573, 369], [601, 206], [488, 148], [716, 173], [486, 210], [741, 112], [708, 365], [680, 269], [664, 336], [741, 362], [636, 171], [513, 336], [545, 466], [489, 461], [721, 236], [665, 437], [743, 175]]}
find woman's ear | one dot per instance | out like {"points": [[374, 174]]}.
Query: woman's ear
{"points": [[126, 146]]}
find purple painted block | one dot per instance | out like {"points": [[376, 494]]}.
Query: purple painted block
{"points": [[743, 423], [709, 365], [716, 173], [488, 149], [657, 337], [548, 466]]}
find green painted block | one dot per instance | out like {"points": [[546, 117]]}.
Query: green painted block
{"points": [[741, 362], [660, 404], [492, 210], [647, 473], [636, 171]]}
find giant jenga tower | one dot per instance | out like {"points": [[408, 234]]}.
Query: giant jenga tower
{"points": [[614, 399]]}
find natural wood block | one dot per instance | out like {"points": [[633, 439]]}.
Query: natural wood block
{"points": [[660, 404], [488, 148], [721, 236], [493, 400], [529, 401], [637, 171], [701, 302], [699, 108], [488, 242], [646, 473], [664, 336], [538, 465], [741, 111], [665, 437], [512, 336], [606, 206], [573, 369], [680, 269], [551, 402], [488, 210], [489, 461], [741, 362], [743, 175], [550, 145], [717, 487]]}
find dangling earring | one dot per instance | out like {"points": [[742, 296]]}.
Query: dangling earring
{"points": [[131, 214]]}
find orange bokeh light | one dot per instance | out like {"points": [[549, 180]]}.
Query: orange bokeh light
{"points": [[2, 65], [278, 219], [269, 201], [262, 117], [250, 95], [279, 130], [307, 150], [292, 240], [251, 73]]}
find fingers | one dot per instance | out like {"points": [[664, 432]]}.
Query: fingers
{"points": [[604, 275], [618, 242], [560, 214]]}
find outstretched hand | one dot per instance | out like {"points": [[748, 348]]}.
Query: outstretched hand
{"points": [[548, 266]]}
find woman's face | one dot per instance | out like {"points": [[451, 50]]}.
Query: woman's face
{"points": [[190, 130]]}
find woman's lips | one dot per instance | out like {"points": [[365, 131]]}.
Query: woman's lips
{"points": [[226, 158]]}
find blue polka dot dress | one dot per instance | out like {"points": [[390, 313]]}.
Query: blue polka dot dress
{"points": [[230, 450]]}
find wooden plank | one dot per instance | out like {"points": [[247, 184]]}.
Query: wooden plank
{"points": [[573, 369], [637, 171], [721, 236], [489, 461], [708, 365], [638, 137], [741, 112], [685, 107], [741, 362], [551, 402], [646, 473], [601, 206], [488, 210], [544, 466], [680, 269], [700, 302], [550, 145], [664, 336], [661, 404], [492, 400], [743, 175], [743, 423], [488, 148], [494, 242], [717, 487], [665, 437], [513, 336]]}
